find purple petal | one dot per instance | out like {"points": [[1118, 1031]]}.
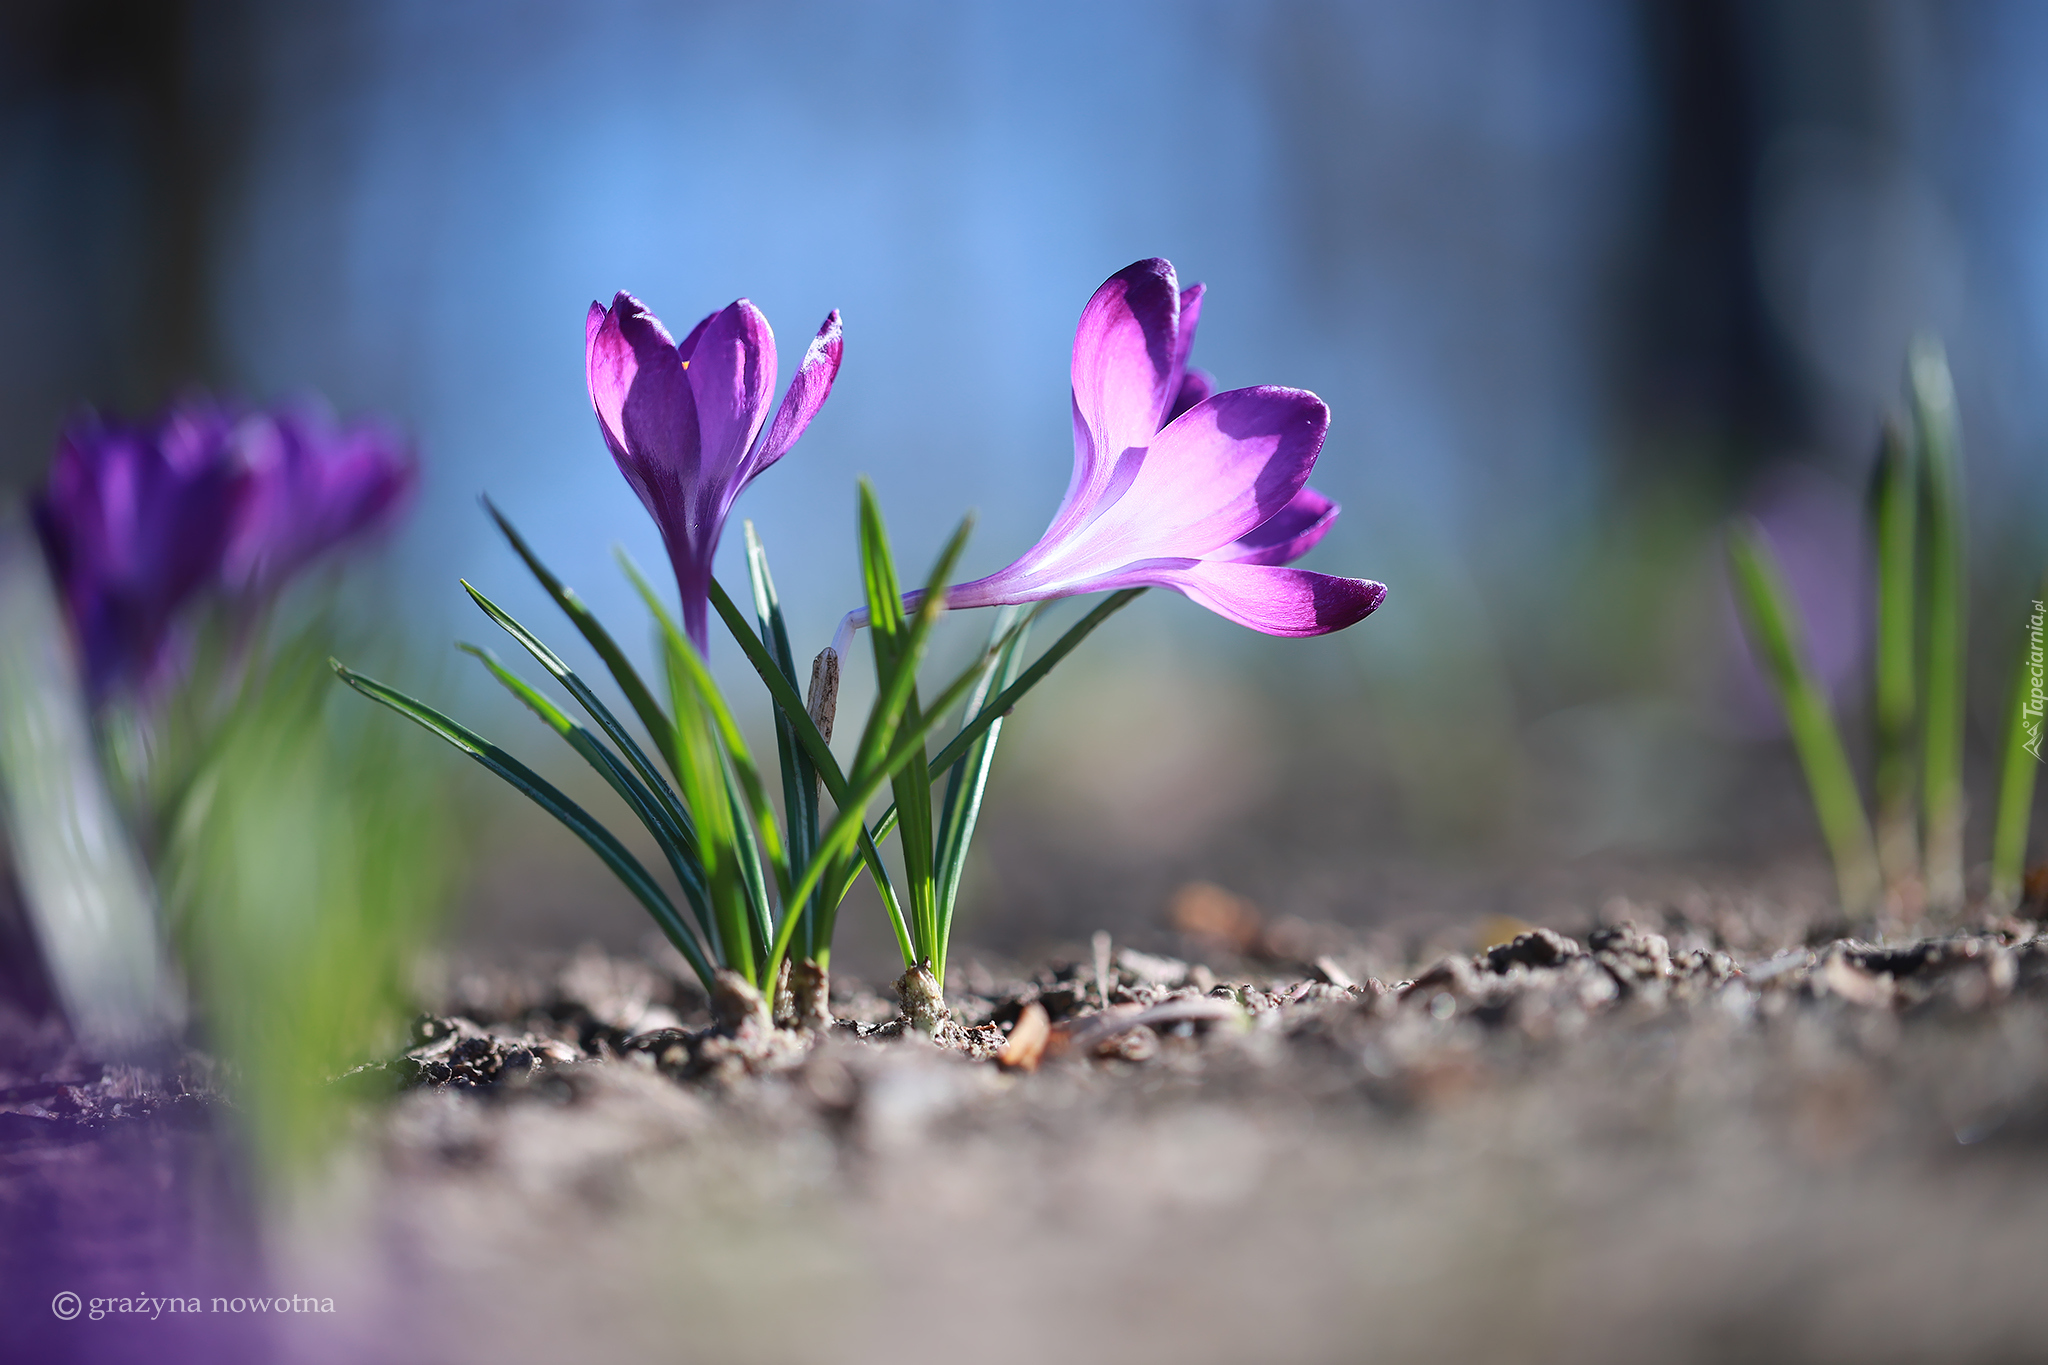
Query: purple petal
{"points": [[1226, 467], [135, 522], [315, 486], [732, 375], [807, 392], [641, 395], [1274, 599], [1184, 343], [1195, 385], [1123, 377], [1286, 536]]}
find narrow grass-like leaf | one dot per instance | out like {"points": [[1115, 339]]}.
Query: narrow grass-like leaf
{"points": [[1934, 411], [594, 706], [2022, 757], [791, 706], [847, 824], [659, 728], [896, 663], [681, 852], [967, 782], [1007, 700], [705, 688], [1032, 676], [1778, 640], [702, 776], [799, 774], [543, 794], [1896, 509]]}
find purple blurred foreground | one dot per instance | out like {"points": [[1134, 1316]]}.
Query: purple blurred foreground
{"points": [[114, 1181]]}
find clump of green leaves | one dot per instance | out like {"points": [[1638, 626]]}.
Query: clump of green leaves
{"points": [[1915, 858], [758, 888]]}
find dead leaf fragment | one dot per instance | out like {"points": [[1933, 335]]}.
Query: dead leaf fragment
{"points": [[1027, 1040], [1206, 910]]}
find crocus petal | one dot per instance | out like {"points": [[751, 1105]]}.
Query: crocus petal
{"points": [[1125, 348], [807, 391], [1271, 598], [1184, 342], [641, 394], [135, 522], [1195, 385], [1230, 464], [732, 375], [1287, 535]]}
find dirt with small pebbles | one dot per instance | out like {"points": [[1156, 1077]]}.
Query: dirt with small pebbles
{"points": [[1661, 1136]]}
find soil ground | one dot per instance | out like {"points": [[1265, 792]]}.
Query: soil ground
{"points": [[1702, 1131]]}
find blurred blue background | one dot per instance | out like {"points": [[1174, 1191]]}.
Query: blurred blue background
{"points": [[1577, 280]]}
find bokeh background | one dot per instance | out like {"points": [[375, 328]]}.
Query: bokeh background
{"points": [[1578, 281]]}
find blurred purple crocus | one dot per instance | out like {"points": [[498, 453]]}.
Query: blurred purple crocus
{"points": [[135, 521], [685, 421], [139, 522], [1177, 486], [314, 485]]}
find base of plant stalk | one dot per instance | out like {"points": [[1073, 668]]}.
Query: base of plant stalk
{"points": [[924, 1003], [803, 996]]}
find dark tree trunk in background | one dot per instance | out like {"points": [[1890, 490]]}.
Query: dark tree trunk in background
{"points": [[1706, 376], [123, 123]]}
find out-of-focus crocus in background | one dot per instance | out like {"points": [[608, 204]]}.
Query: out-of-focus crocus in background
{"points": [[315, 487], [146, 524], [136, 521]]}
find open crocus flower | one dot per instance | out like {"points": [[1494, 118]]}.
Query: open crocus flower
{"points": [[135, 521], [1176, 486], [685, 421], [314, 486]]}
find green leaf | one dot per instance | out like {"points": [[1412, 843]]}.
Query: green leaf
{"points": [[705, 689], [543, 794], [1896, 514], [1011, 695], [848, 824], [968, 780], [896, 660], [656, 784], [702, 776], [1033, 675], [659, 728], [1947, 586], [799, 774], [791, 708], [1778, 639], [680, 852]]}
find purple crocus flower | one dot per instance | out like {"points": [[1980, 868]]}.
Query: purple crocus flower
{"points": [[314, 486], [1177, 486], [685, 422], [135, 521]]}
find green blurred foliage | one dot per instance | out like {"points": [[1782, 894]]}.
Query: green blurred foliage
{"points": [[311, 856]]}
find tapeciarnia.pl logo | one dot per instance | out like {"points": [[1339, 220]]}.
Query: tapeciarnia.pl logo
{"points": [[2036, 700]]}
